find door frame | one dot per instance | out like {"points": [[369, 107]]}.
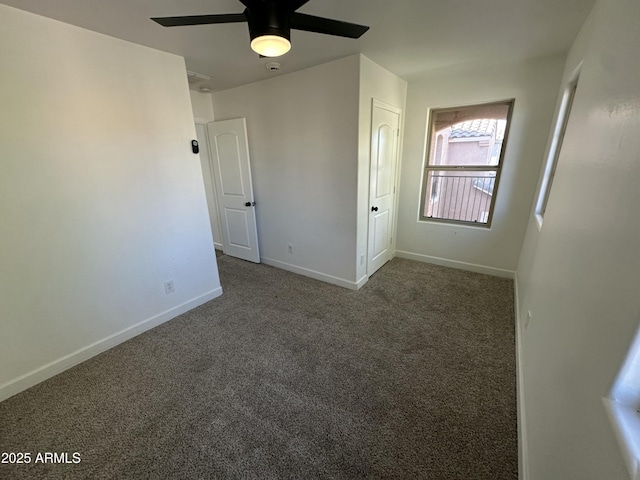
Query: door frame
{"points": [[203, 122], [251, 251], [375, 103]]}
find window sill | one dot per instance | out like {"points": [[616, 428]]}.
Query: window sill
{"points": [[626, 424], [539, 220], [454, 223]]}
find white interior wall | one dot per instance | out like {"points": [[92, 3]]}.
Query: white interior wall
{"points": [[379, 83], [101, 199], [579, 275], [303, 142], [495, 250]]}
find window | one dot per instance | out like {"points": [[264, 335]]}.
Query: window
{"points": [[556, 145], [462, 170]]}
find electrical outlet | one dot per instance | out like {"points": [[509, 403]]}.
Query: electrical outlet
{"points": [[290, 248], [362, 259], [527, 320], [169, 287]]}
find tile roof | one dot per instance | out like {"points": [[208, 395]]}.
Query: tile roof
{"points": [[479, 127]]}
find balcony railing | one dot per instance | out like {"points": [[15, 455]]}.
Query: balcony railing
{"points": [[462, 197]]}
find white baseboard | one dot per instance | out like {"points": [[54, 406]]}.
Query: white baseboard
{"points": [[218, 246], [471, 267], [523, 449], [323, 277], [51, 369], [360, 283]]}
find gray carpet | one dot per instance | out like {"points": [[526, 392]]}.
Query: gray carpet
{"points": [[283, 376]]}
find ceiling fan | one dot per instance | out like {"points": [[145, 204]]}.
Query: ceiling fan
{"points": [[270, 23]]}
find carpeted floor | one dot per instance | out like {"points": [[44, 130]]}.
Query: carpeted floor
{"points": [[283, 377]]}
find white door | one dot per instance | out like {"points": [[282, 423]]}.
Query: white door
{"points": [[234, 190], [385, 128]]}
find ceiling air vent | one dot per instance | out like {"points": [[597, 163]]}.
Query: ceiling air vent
{"points": [[198, 81]]}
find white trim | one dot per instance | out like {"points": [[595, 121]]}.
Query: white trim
{"points": [[323, 277], [375, 103], [202, 120], [51, 369], [559, 128], [626, 425], [457, 224], [445, 262], [218, 246], [385, 106], [360, 283], [523, 446], [216, 204], [622, 408]]}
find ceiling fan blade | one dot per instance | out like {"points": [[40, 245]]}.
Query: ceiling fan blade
{"points": [[200, 19], [311, 23]]}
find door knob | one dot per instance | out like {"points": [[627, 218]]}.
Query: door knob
{"points": [[374, 209], [250, 204]]}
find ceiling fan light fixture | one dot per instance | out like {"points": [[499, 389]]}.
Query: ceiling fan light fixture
{"points": [[270, 23], [270, 45]]}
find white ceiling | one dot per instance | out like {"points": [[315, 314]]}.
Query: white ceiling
{"points": [[406, 36]]}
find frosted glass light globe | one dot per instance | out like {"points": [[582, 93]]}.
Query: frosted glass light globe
{"points": [[270, 45]]}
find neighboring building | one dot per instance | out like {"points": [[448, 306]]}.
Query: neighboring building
{"points": [[465, 195]]}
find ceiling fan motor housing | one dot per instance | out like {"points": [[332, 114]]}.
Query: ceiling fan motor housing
{"points": [[269, 18]]}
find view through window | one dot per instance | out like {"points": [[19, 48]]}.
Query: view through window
{"points": [[464, 161]]}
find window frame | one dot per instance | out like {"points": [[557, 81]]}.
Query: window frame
{"points": [[431, 133], [623, 408], [555, 147]]}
